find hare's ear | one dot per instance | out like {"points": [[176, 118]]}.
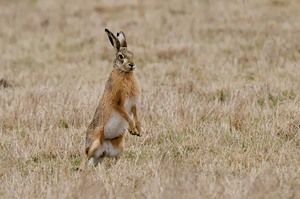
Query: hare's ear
{"points": [[122, 39], [113, 40]]}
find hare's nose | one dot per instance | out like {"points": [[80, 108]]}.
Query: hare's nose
{"points": [[131, 66]]}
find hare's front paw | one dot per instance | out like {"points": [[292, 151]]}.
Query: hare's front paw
{"points": [[138, 127], [133, 130]]}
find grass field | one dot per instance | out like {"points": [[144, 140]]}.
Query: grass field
{"points": [[220, 98]]}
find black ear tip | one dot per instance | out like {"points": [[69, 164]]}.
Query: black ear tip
{"points": [[106, 30]]}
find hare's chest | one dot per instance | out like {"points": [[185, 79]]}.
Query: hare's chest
{"points": [[129, 103], [117, 124]]}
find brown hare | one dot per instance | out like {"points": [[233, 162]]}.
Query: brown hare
{"points": [[113, 116]]}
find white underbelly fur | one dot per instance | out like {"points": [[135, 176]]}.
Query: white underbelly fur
{"points": [[117, 125]]}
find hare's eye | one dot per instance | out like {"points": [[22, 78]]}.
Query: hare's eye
{"points": [[121, 56]]}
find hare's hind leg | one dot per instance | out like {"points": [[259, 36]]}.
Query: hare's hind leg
{"points": [[90, 154], [96, 160], [99, 155], [117, 147]]}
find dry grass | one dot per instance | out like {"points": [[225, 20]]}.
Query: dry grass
{"points": [[220, 104]]}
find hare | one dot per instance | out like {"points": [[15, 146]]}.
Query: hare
{"points": [[113, 116]]}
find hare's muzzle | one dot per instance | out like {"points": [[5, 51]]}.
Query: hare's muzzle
{"points": [[131, 66]]}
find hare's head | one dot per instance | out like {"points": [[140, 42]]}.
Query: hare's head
{"points": [[124, 58]]}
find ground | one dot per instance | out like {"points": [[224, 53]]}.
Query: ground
{"points": [[220, 98]]}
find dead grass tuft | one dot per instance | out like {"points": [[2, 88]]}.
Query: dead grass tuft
{"points": [[4, 83]]}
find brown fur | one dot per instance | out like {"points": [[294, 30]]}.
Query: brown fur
{"points": [[122, 85]]}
